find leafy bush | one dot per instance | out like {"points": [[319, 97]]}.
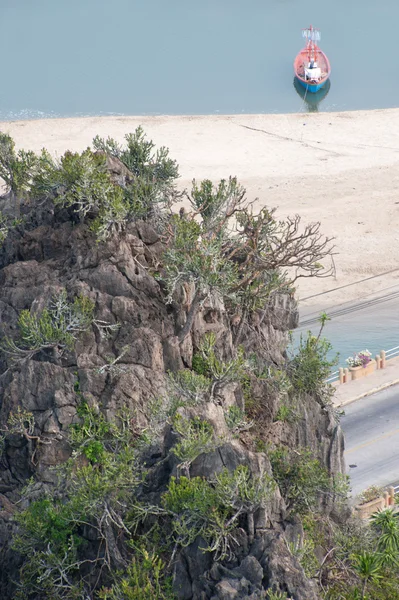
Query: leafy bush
{"points": [[17, 169], [287, 413], [240, 262], [236, 420], [21, 422], [200, 365], [218, 371], [301, 479], [81, 181], [304, 552], [196, 437], [151, 189], [90, 436], [54, 530], [57, 326], [197, 260], [216, 202], [48, 542], [144, 579], [361, 559], [309, 368], [211, 509], [192, 502], [188, 388], [140, 158]]}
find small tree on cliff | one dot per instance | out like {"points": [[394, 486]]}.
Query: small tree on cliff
{"points": [[56, 327], [139, 156], [221, 246], [150, 190], [197, 261], [16, 168]]}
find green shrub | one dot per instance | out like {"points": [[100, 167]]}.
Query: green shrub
{"points": [[82, 182], [310, 367], [49, 542], [211, 509], [188, 388], [304, 552], [301, 478], [236, 420], [242, 490], [140, 158], [193, 503], [57, 326], [200, 365], [151, 191], [21, 422], [222, 372], [91, 436], [196, 437], [16, 168], [144, 579], [197, 260], [47, 522], [286, 413], [95, 497]]}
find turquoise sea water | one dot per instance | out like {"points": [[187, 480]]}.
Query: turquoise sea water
{"points": [[374, 328], [95, 57]]}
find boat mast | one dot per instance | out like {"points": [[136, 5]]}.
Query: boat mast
{"points": [[312, 36]]}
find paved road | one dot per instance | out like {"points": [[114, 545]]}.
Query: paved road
{"points": [[371, 427]]}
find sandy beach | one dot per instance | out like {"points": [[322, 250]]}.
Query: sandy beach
{"points": [[337, 168]]}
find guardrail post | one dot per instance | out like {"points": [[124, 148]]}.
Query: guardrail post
{"points": [[377, 361], [391, 495], [346, 375], [386, 498], [383, 359], [341, 375]]}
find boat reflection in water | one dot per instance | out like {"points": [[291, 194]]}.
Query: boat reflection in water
{"points": [[311, 101]]}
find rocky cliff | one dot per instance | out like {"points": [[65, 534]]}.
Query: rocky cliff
{"points": [[49, 252]]}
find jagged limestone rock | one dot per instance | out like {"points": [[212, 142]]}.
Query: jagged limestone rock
{"points": [[51, 253]]}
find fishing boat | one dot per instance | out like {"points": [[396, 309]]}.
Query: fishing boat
{"points": [[312, 67]]}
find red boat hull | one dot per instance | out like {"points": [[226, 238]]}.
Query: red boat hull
{"points": [[299, 68]]}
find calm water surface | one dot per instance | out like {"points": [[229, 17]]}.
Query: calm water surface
{"points": [[374, 328], [94, 57]]}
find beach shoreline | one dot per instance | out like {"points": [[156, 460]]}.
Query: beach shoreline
{"points": [[336, 168]]}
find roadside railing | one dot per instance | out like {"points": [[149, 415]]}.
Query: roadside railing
{"points": [[392, 352], [333, 377]]}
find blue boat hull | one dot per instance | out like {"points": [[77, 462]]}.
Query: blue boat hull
{"points": [[312, 87], [311, 101]]}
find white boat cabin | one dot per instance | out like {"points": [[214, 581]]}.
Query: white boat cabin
{"points": [[312, 72]]}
